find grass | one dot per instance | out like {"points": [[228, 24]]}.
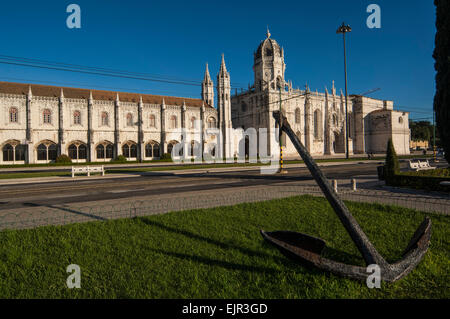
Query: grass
{"points": [[217, 253]]}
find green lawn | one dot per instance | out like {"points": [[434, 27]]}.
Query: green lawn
{"points": [[217, 253]]}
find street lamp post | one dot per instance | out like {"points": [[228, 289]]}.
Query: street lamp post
{"points": [[434, 135], [344, 29], [280, 137]]}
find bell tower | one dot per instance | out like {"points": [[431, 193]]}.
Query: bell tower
{"points": [[269, 66], [208, 88], [224, 110]]}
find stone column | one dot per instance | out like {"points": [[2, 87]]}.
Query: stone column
{"points": [[183, 115], [61, 142], [327, 135], [30, 159], [117, 148], [308, 131], [90, 133], [202, 128], [163, 145], [141, 146]]}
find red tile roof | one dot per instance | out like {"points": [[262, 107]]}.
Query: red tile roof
{"points": [[75, 93]]}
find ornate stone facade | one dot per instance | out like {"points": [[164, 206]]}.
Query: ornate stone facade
{"points": [[40, 122], [318, 118]]}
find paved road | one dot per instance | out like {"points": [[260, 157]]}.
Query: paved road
{"points": [[154, 183], [31, 205]]}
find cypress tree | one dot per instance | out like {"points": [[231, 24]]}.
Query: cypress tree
{"points": [[442, 66], [391, 166]]}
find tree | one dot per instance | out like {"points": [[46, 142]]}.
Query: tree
{"points": [[421, 131], [391, 166], [442, 66]]}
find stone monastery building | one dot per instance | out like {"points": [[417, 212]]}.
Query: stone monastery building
{"points": [[40, 122]]}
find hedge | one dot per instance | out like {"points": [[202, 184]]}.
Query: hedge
{"points": [[429, 183]]}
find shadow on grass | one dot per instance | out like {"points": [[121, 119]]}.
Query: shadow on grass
{"points": [[217, 243], [342, 256], [218, 263], [284, 261]]}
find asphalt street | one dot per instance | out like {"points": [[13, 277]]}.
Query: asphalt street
{"points": [[154, 183]]}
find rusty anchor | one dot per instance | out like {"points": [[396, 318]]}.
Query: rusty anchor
{"points": [[307, 249]]}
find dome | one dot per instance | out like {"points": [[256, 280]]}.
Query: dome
{"points": [[269, 47]]}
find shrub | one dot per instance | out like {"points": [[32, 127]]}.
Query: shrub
{"points": [[120, 159], [63, 159], [429, 183], [166, 157], [391, 166]]}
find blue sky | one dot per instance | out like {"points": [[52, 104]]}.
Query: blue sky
{"points": [[176, 38]]}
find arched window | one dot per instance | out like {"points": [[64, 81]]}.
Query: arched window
{"points": [[47, 115], [82, 151], [13, 115], [8, 153], [212, 122], [400, 120], [170, 146], [73, 151], [52, 152], [129, 150], [129, 119], [317, 124], [105, 119], [152, 121], [47, 151], [77, 151], [109, 151], [77, 117], [152, 149], [104, 151], [297, 116], [100, 149], [20, 152], [42, 152], [350, 125], [244, 106], [193, 122], [14, 151], [334, 119], [173, 121]]}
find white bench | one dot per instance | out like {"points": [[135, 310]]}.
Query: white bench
{"points": [[87, 170], [420, 165]]}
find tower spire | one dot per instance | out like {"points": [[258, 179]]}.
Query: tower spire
{"points": [[208, 88], [207, 77], [268, 32], [223, 67]]}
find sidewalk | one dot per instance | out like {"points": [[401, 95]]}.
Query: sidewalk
{"points": [[369, 190], [53, 179]]}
